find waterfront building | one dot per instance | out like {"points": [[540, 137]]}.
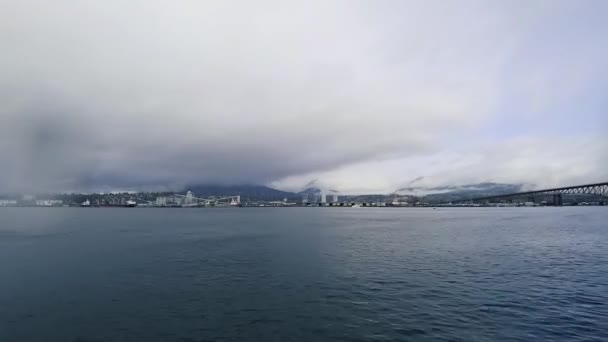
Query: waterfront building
{"points": [[7, 202], [48, 203], [189, 199], [316, 198], [176, 200]]}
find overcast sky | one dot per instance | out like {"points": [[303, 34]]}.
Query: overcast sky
{"points": [[358, 96]]}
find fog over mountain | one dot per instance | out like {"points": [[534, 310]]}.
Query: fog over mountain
{"points": [[361, 96]]}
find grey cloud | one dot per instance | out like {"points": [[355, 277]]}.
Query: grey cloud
{"points": [[155, 94]]}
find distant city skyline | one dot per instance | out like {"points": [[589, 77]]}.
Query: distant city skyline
{"points": [[356, 96]]}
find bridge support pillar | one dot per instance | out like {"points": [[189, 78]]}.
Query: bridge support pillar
{"points": [[557, 200]]}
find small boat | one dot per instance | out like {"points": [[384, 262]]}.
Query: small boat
{"points": [[355, 206], [131, 204], [85, 204]]}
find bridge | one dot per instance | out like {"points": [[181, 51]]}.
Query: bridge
{"points": [[597, 190]]}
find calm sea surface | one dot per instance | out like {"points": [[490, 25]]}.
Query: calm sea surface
{"points": [[304, 274]]}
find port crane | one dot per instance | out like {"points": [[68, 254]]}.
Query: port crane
{"points": [[233, 200], [143, 200]]}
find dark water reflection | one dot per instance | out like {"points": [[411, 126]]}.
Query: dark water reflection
{"points": [[304, 274]]}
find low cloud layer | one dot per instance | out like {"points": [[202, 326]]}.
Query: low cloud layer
{"points": [[363, 96], [531, 162]]}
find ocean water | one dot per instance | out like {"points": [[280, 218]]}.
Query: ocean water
{"points": [[304, 274]]}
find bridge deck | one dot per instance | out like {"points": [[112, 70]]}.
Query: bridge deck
{"points": [[600, 189]]}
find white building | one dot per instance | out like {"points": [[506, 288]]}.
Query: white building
{"points": [[400, 203], [316, 198], [323, 198], [189, 199], [48, 203], [7, 202]]}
